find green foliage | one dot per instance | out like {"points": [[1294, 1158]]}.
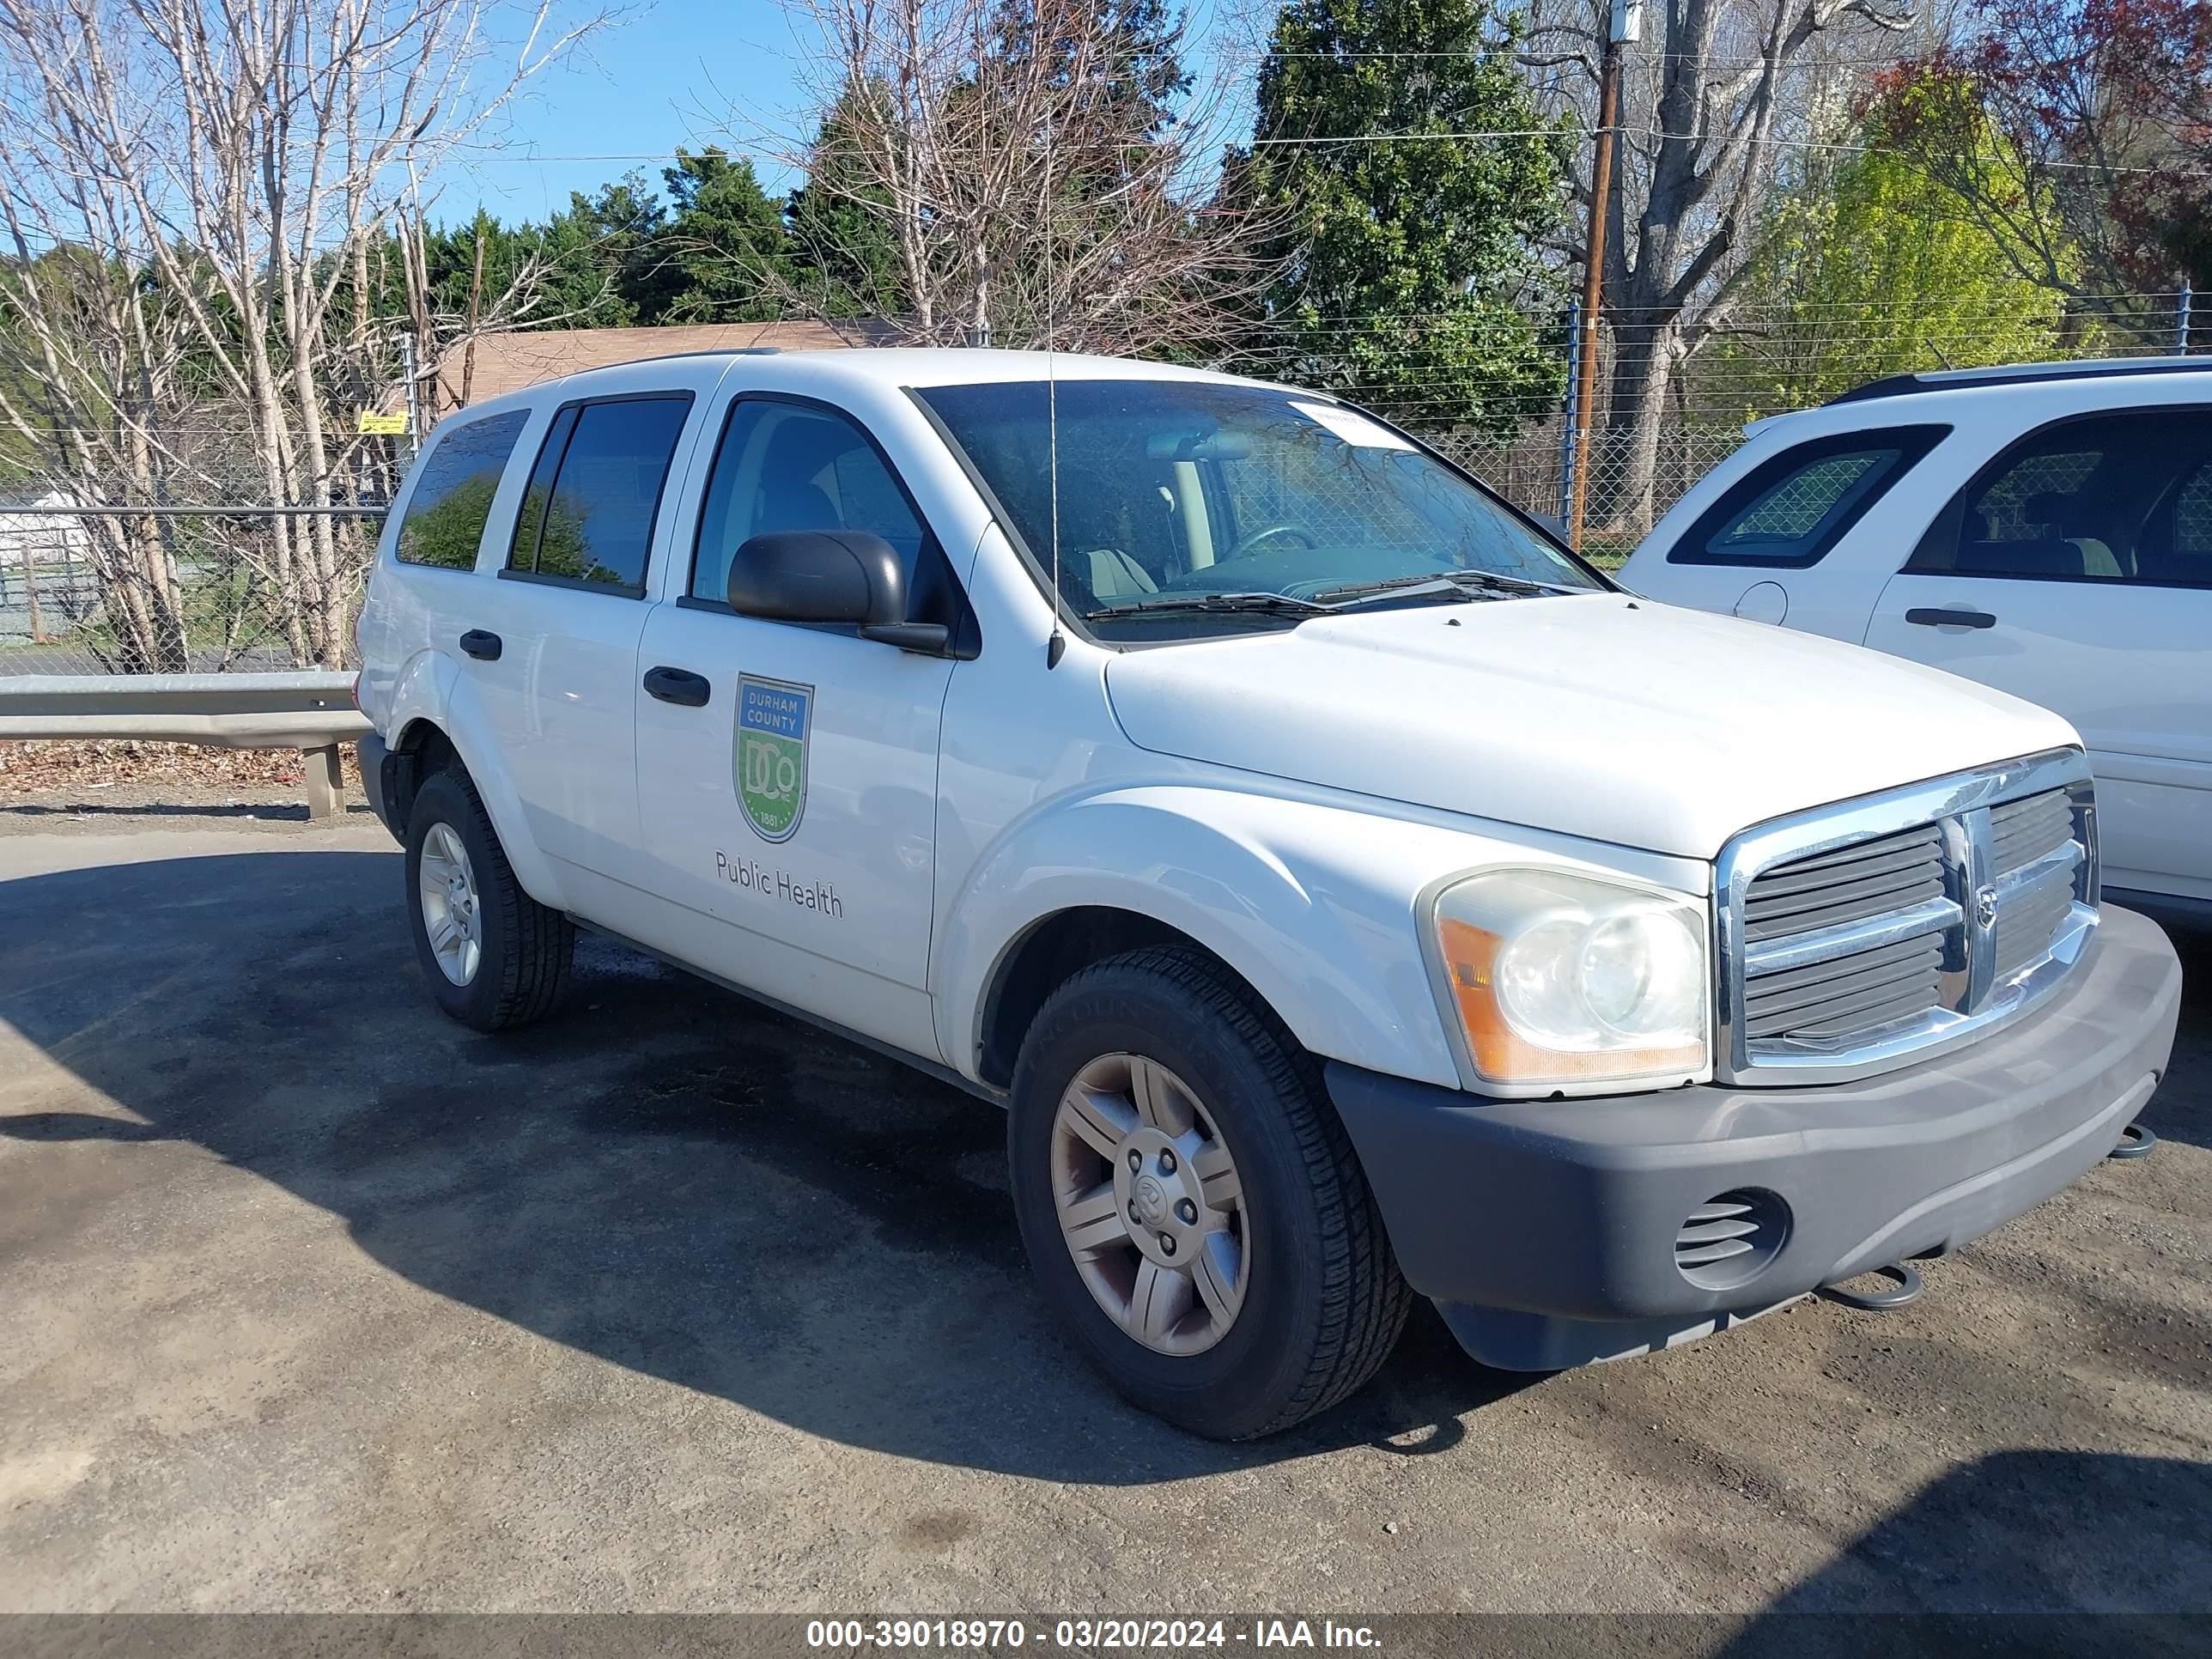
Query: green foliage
{"points": [[843, 258], [1874, 268], [1410, 269], [604, 269], [447, 533], [716, 250], [725, 255]]}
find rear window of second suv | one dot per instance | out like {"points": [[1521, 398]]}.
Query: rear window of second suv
{"points": [[1789, 510]]}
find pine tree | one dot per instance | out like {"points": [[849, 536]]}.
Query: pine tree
{"points": [[724, 248], [1412, 271]]}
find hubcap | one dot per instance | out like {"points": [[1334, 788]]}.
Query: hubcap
{"points": [[1150, 1204], [447, 886]]}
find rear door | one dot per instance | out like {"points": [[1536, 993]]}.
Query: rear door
{"points": [[556, 653], [788, 771], [2075, 571], [1802, 534]]}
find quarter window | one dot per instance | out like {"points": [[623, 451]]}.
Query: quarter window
{"points": [[2115, 498], [1792, 507], [451, 500], [588, 513], [783, 467]]}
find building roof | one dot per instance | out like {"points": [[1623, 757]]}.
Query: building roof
{"points": [[524, 357]]}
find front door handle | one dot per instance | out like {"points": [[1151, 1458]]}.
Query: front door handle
{"points": [[678, 685], [1923, 617], [485, 648]]}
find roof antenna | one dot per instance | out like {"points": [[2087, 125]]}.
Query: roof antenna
{"points": [[1056, 646]]}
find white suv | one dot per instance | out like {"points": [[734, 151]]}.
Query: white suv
{"points": [[1347, 893], [2045, 530]]}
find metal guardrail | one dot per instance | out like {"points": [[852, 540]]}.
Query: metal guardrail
{"points": [[310, 710]]}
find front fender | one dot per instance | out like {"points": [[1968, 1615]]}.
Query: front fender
{"points": [[1314, 905], [432, 688]]}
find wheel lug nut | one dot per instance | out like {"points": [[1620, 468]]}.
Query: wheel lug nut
{"points": [[1133, 1216], [1136, 1160], [1187, 1213], [1167, 1163], [1167, 1243]]}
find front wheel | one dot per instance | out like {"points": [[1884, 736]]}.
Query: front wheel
{"points": [[494, 957], [1190, 1203]]}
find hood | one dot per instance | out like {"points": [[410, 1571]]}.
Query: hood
{"points": [[1596, 715]]}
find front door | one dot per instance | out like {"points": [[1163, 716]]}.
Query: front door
{"points": [[2075, 571], [795, 804]]}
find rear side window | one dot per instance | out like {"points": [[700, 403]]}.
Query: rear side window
{"points": [[453, 495], [588, 516], [2112, 498], [1792, 507]]}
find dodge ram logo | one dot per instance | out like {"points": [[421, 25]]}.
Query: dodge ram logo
{"points": [[1986, 907]]}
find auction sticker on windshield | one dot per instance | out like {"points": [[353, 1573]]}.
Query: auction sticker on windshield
{"points": [[774, 717], [1351, 426]]}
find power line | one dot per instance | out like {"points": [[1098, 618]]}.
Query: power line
{"points": [[1489, 135]]}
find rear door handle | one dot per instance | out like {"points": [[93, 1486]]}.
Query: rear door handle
{"points": [[1924, 616], [485, 648], [678, 685]]}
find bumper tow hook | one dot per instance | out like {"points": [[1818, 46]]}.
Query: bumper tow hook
{"points": [[2135, 1141], [1906, 1280]]}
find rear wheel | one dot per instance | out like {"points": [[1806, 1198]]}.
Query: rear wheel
{"points": [[1189, 1202], [493, 957]]}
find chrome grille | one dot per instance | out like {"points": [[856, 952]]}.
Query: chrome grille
{"points": [[1867, 934], [1867, 878]]}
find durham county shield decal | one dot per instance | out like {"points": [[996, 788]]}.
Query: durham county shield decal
{"points": [[770, 762]]}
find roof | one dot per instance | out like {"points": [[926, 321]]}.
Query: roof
{"points": [[1968, 380], [845, 371], [510, 360]]}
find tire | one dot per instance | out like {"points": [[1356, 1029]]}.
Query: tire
{"points": [[1317, 1301], [520, 963]]}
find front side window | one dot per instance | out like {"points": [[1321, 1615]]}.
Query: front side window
{"points": [[1184, 500], [783, 467], [451, 499], [588, 513], [2114, 498], [1792, 509]]}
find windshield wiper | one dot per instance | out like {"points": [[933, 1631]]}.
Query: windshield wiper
{"points": [[1441, 584], [1188, 604]]}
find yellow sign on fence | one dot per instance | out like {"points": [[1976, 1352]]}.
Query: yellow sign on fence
{"points": [[374, 422]]}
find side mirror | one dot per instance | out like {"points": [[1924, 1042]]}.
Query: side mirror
{"points": [[819, 576]]}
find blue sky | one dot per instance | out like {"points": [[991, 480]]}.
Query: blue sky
{"points": [[663, 73]]}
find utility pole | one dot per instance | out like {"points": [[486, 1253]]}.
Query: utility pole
{"points": [[1628, 27]]}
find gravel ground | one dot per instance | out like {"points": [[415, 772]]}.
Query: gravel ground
{"points": [[311, 1301]]}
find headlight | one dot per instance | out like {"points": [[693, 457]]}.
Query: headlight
{"points": [[1557, 978]]}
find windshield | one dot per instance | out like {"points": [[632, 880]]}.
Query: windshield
{"points": [[1185, 502]]}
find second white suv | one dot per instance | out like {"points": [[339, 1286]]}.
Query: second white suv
{"points": [[2045, 530]]}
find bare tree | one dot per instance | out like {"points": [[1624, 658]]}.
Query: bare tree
{"points": [[248, 160], [1710, 98], [2099, 184], [1043, 170]]}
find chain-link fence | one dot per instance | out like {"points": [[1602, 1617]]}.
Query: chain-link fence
{"points": [[109, 590], [93, 581]]}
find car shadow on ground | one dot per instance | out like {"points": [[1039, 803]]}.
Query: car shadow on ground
{"points": [[665, 1175], [2030, 1532]]}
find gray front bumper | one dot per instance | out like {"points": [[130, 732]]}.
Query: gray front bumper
{"points": [[1546, 1230]]}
